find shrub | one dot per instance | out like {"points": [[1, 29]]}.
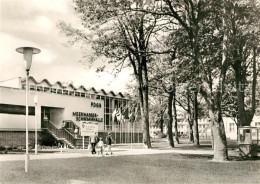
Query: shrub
{"points": [[3, 149], [159, 134], [47, 139], [15, 146], [20, 148], [9, 147]]}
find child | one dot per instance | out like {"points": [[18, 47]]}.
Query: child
{"points": [[101, 146]]}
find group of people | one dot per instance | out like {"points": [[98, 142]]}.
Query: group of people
{"points": [[99, 143]]}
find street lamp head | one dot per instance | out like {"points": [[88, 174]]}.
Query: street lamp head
{"points": [[27, 55]]}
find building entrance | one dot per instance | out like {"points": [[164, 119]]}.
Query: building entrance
{"points": [[53, 114], [45, 115]]}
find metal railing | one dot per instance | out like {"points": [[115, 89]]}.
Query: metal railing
{"points": [[69, 124], [52, 128], [60, 133], [68, 136]]}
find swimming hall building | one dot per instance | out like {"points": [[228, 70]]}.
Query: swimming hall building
{"points": [[58, 111]]}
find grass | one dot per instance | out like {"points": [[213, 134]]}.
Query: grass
{"points": [[161, 168]]}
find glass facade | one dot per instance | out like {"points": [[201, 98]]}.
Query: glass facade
{"points": [[111, 101]]}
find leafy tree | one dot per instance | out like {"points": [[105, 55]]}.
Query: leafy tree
{"points": [[204, 25], [185, 101], [164, 76], [123, 37], [157, 112], [244, 30]]}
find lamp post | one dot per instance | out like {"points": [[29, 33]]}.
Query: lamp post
{"points": [[35, 103], [27, 56]]}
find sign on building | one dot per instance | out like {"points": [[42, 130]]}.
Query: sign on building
{"points": [[88, 128]]}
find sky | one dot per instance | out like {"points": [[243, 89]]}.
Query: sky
{"points": [[33, 23]]}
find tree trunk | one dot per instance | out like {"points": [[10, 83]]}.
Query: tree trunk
{"points": [[143, 97], [191, 137], [219, 136], [161, 123], [175, 115], [145, 118], [242, 120], [245, 117], [169, 126], [253, 99], [195, 119], [146, 128], [161, 120], [190, 119], [214, 102], [212, 138]]}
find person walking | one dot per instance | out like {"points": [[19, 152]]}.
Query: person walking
{"points": [[94, 140], [100, 145], [109, 141]]}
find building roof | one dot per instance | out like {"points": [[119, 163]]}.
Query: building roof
{"points": [[92, 89]]}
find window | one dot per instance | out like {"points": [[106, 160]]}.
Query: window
{"points": [[231, 127], [71, 93], [83, 94], [16, 109], [59, 91], [119, 103], [53, 90], [110, 102], [124, 103], [107, 119], [116, 103], [92, 96], [32, 87], [107, 102], [39, 88], [65, 92], [45, 89], [77, 93]]}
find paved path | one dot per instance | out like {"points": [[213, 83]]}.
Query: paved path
{"points": [[68, 153]]}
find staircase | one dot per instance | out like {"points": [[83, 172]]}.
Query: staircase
{"points": [[70, 126], [61, 134]]}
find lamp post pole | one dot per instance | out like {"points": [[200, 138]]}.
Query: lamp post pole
{"points": [[26, 124], [27, 56], [36, 142]]}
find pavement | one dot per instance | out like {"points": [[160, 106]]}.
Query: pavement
{"points": [[117, 151]]}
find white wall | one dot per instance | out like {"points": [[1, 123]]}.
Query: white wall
{"points": [[16, 122], [70, 104], [227, 123]]}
